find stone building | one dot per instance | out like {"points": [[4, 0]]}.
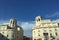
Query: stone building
{"points": [[27, 38], [45, 29], [11, 31]]}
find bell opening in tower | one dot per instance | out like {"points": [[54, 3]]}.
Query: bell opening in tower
{"points": [[13, 22]]}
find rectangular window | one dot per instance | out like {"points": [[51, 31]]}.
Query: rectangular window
{"points": [[7, 35], [45, 36], [56, 33], [50, 34]]}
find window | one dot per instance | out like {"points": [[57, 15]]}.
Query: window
{"points": [[34, 31], [56, 33], [45, 36], [55, 29], [38, 34], [50, 30], [38, 20], [7, 35], [50, 34], [38, 30], [13, 23], [58, 24]]}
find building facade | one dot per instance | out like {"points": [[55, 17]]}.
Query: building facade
{"points": [[27, 38], [45, 29], [11, 31]]}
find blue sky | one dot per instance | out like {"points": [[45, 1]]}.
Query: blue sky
{"points": [[25, 11]]}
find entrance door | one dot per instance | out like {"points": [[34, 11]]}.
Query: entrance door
{"points": [[45, 36], [39, 39]]}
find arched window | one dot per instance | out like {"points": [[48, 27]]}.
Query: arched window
{"points": [[13, 23]]}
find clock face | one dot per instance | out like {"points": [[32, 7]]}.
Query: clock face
{"points": [[18, 29], [38, 20]]}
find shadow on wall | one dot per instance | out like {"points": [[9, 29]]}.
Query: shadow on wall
{"points": [[2, 37]]}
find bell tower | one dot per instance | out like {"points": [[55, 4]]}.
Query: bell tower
{"points": [[38, 20], [13, 22]]}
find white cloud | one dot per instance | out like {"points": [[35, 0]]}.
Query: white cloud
{"points": [[56, 14], [27, 27], [3, 21], [57, 20]]}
